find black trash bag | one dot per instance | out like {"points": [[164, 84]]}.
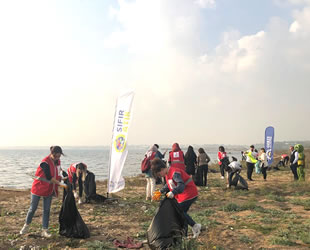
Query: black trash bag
{"points": [[71, 223], [239, 179], [168, 226], [90, 189]]}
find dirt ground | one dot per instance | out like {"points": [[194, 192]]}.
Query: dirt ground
{"points": [[273, 214]]}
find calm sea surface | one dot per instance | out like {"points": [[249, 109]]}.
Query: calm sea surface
{"points": [[17, 164]]}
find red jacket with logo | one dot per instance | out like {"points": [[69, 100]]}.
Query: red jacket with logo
{"points": [[190, 191], [176, 159]]}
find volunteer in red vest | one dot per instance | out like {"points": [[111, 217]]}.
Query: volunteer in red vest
{"points": [[220, 156], [179, 185], [176, 157], [45, 184], [77, 174]]}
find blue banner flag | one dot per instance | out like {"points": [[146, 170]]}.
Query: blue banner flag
{"points": [[269, 139]]}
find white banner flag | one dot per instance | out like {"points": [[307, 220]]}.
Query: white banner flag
{"points": [[119, 151]]}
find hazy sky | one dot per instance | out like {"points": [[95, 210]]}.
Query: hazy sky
{"points": [[204, 71]]}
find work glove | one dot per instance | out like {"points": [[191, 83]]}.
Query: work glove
{"points": [[170, 195], [156, 196], [75, 195]]}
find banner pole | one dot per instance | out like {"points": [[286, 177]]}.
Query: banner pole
{"points": [[109, 172]]}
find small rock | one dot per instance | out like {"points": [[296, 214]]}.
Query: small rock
{"points": [[143, 208]]}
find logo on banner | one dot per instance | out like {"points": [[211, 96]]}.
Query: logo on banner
{"points": [[120, 143], [268, 153]]}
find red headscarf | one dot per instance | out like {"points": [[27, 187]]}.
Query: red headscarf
{"points": [[175, 147]]}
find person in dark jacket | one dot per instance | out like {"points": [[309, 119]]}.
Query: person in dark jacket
{"points": [[190, 160], [294, 162]]}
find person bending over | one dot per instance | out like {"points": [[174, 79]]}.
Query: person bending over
{"points": [[179, 185], [233, 168], [77, 174]]}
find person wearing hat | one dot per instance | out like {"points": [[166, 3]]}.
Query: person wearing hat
{"points": [[46, 181]]}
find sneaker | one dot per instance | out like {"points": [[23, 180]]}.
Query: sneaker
{"points": [[222, 177], [80, 201], [196, 230], [45, 233], [24, 230]]}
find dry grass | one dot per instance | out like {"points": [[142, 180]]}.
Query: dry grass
{"points": [[273, 214]]}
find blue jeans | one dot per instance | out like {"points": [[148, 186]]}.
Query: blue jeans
{"points": [[185, 207], [47, 201]]}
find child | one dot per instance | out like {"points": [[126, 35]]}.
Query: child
{"points": [[179, 186]]}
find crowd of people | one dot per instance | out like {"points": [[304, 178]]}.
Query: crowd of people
{"points": [[48, 177], [184, 172], [180, 176]]}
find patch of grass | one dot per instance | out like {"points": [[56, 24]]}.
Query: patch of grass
{"points": [[245, 239], [301, 202], [207, 212], [72, 243], [186, 244], [267, 220], [231, 207], [216, 183], [212, 223], [282, 237], [278, 198], [98, 245], [257, 227], [235, 217], [202, 218]]}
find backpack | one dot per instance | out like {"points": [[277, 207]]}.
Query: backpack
{"points": [[146, 163]]}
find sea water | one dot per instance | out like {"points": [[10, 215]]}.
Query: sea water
{"points": [[18, 164]]}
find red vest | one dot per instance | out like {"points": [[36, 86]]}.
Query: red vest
{"points": [[44, 188], [190, 191], [176, 159], [71, 171], [221, 156]]}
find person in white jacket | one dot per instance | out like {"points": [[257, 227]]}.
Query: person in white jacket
{"points": [[263, 162]]}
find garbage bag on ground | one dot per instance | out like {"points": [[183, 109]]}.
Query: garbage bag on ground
{"points": [[71, 223], [168, 226], [90, 189], [238, 179]]}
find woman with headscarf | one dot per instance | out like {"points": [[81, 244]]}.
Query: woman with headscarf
{"points": [[190, 161], [176, 157], [150, 180]]}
